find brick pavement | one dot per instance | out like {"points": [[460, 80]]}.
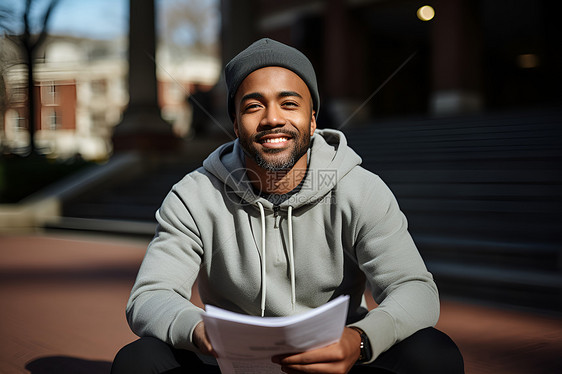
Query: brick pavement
{"points": [[63, 300]]}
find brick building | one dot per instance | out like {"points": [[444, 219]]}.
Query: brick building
{"points": [[82, 92]]}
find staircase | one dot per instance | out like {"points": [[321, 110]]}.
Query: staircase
{"points": [[483, 196], [127, 203], [136, 199]]}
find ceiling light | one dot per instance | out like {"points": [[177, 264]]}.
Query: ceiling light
{"points": [[426, 13], [528, 61]]}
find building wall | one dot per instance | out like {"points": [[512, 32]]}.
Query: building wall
{"points": [[57, 100], [475, 55], [80, 98]]}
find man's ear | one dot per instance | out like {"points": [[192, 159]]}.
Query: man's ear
{"points": [[235, 124], [313, 123]]}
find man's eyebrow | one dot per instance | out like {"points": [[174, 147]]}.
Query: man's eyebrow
{"points": [[289, 94], [260, 96], [253, 95]]}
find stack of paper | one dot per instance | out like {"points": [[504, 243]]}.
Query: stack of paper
{"points": [[245, 344]]}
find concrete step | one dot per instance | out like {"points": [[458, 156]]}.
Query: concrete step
{"points": [[482, 195], [134, 199]]}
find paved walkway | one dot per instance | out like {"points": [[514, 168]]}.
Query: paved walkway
{"points": [[63, 300]]}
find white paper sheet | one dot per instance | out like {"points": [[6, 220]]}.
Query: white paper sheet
{"points": [[245, 344]]}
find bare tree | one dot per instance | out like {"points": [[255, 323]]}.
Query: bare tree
{"points": [[5, 16], [28, 44], [191, 23]]}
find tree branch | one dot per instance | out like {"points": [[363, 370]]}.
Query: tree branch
{"points": [[26, 36], [45, 22], [5, 15]]}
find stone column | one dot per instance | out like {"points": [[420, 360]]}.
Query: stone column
{"points": [[238, 31], [142, 127], [456, 58], [342, 63], [238, 28]]}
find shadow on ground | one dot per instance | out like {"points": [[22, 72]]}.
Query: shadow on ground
{"points": [[67, 365]]}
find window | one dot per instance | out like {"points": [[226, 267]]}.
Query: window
{"points": [[20, 122], [98, 119], [49, 93], [99, 87], [54, 120], [19, 94]]}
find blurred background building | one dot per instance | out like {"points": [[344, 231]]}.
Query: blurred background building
{"points": [[466, 57], [81, 86], [469, 56], [81, 94], [81, 83]]}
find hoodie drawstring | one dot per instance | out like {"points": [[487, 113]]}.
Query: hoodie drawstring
{"points": [[291, 256], [264, 263]]}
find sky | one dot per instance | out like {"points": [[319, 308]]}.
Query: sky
{"points": [[103, 19], [96, 19]]}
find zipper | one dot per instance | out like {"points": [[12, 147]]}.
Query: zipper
{"points": [[276, 217]]}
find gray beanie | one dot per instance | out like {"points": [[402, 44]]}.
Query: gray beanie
{"points": [[267, 52]]}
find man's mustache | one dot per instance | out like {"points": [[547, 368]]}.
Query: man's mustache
{"points": [[261, 134]]}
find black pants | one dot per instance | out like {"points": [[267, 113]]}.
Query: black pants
{"points": [[429, 351]]}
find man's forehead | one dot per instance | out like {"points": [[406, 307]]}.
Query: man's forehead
{"points": [[282, 81]]}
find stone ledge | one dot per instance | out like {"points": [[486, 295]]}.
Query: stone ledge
{"points": [[46, 205]]}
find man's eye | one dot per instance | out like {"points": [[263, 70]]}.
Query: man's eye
{"points": [[252, 106], [290, 103]]}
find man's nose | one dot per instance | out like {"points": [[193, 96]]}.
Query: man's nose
{"points": [[273, 117]]}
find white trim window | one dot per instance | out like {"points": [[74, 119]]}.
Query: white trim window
{"points": [[54, 120]]}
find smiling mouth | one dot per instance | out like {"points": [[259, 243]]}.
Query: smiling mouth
{"points": [[274, 140]]}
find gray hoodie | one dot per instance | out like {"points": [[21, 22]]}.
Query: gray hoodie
{"points": [[341, 231]]}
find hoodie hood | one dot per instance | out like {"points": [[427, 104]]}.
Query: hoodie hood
{"points": [[329, 160]]}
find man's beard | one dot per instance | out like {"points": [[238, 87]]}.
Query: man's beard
{"points": [[302, 143]]}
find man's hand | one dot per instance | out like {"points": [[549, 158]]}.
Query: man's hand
{"points": [[335, 358], [201, 340]]}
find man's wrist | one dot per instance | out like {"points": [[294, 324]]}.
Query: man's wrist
{"points": [[198, 335], [365, 352]]}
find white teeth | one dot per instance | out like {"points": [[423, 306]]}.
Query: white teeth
{"points": [[275, 140]]}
